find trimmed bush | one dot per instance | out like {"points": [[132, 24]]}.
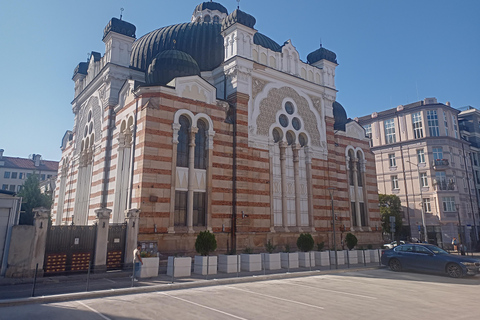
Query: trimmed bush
{"points": [[205, 243], [305, 242], [321, 246], [270, 247], [351, 241]]}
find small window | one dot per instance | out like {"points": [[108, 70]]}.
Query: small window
{"points": [[5, 187], [290, 138], [29, 175], [395, 183], [207, 19], [296, 123], [12, 187], [216, 19], [21, 175], [277, 136], [421, 156], [423, 179], [14, 175], [283, 120], [391, 159], [89, 116], [289, 107], [6, 175], [427, 207], [42, 177]]}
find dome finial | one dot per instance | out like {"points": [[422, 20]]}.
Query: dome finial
{"points": [[320, 42], [121, 13], [238, 4]]}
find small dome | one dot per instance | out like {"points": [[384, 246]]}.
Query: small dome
{"points": [[340, 116], [171, 64], [266, 42], [120, 26], [211, 6], [320, 54], [238, 16]]}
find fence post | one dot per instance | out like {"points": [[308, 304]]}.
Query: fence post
{"points": [[364, 261], [173, 270], [330, 258], [34, 281], [263, 263], [288, 262], [131, 216], [40, 242], [379, 258], [101, 243], [348, 259]]}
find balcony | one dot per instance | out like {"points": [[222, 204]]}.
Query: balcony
{"points": [[440, 164], [444, 185]]}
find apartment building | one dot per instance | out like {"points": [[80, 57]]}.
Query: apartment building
{"points": [[421, 157]]}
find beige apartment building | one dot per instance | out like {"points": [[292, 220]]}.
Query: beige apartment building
{"points": [[422, 158]]}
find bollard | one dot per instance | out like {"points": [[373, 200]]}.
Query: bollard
{"points": [[88, 274], [173, 270], [34, 281]]}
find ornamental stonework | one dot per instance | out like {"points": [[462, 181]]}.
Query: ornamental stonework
{"points": [[257, 86], [273, 103]]}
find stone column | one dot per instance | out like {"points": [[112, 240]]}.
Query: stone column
{"points": [[100, 260], [171, 221], [41, 229], [131, 217], [308, 163], [208, 221], [283, 168], [296, 176], [191, 179]]}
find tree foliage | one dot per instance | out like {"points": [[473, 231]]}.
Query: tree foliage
{"points": [[351, 240], [390, 205], [32, 198], [305, 242], [205, 243]]}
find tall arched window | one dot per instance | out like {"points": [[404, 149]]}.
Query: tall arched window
{"points": [[201, 146], [207, 19], [351, 163], [359, 169], [183, 142]]}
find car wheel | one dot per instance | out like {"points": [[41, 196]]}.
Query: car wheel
{"points": [[395, 265], [454, 270]]}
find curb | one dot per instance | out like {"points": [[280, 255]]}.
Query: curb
{"points": [[169, 287]]}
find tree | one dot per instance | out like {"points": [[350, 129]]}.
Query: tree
{"points": [[390, 205], [32, 198], [351, 241], [205, 243]]}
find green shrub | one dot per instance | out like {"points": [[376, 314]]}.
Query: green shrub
{"points": [[369, 247], [248, 250], [351, 241], [205, 243], [287, 248], [270, 247], [305, 242], [321, 246]]}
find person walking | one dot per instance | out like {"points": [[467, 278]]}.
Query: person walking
{"points": [[455, 244], [137, 260]]}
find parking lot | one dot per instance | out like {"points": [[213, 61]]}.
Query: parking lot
{"points": [[365, 294]]}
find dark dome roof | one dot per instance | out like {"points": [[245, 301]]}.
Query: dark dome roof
{"points": [[200, 40], [238, 16], [120, 26], [171, 64], [266, 42], [211, 6], [320, 54], [340, 116]]}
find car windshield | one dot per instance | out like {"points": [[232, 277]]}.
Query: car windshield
{"points": [[437, 250]]}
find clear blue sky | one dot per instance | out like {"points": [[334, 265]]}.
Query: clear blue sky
{"points": [[389, 53]]}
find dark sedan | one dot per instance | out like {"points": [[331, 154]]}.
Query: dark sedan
{"points": [[429, 258]]}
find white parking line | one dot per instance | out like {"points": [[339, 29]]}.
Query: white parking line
{"points": [[334, 291], [97, 312], [202, 306], [109, 280], [277, 298]]}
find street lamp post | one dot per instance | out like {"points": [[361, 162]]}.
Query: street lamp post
{"points": [[331, 190], [459, 224]]}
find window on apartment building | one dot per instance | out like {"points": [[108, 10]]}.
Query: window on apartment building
{"points": [[423, 179], [12, 187], [390, 131], [49, 176], [394, 182], [421, 156], [14, 175], [432, 118], [474, 158], [180, 208], [391, 160], [449, 204], [6, 175], [5, 187], [19, 188], [21, 175], [437, 153], [441, 180], [417, 125], [477, 176], [426, 205], [42, 177], [445, 122], [455, 126], [368, 133], [29, 175]]}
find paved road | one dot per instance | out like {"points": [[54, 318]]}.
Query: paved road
{"points": [[366, 294]]}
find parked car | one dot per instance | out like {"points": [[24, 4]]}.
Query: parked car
{"points": [[392, 244], [430, 258]]}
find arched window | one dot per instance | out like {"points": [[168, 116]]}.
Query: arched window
{"points": [[207, 19], [216, 19], [359, 169], [201, 146], [351, 164], [183, 142]]}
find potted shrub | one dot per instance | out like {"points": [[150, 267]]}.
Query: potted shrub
{"points": [[229, 263], [150, 265], [305, 244], [289, 259], [179, 266], [321, 256], [351, 241], [271, 260], [205, 244], [250, 261]]}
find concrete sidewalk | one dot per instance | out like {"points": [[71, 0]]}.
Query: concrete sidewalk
{"points": [[162, 282]]}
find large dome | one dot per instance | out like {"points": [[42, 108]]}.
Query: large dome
{"points": [[171, 64], [340, 116], [200, 40], [211, 6]]}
